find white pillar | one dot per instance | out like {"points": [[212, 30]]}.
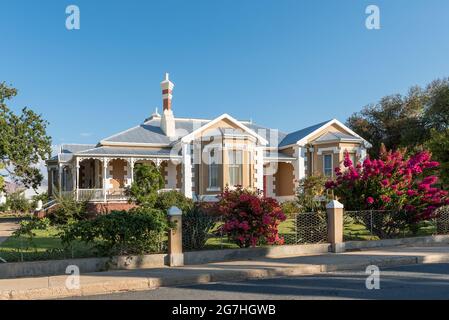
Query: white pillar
{"points": [[171, 175], [77, 178], [187, 170], [299, 165], [105, 172], [131, 169], [60, 173], [259, 168]]}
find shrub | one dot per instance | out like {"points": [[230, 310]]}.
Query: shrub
{"points": [[35, 199], [3, 208], [138, 231], [68, 209], [250, 218], [27, 227], [165, 200], [147, 182], [196, 225], [290, 208], [311, 194], [394, 183], [17, 202]]}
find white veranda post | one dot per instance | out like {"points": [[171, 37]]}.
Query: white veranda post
{"points": [[187, 170]]}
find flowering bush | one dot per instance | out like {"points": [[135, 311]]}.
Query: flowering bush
{"points": [[250, 218], [392, 182]]}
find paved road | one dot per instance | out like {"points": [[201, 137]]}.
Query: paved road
{"points": [[427, 281]]}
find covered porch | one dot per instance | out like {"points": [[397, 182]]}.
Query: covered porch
{"points": [[104, 179]]}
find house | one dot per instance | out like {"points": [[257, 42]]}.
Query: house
{"points": [[200, 157]]}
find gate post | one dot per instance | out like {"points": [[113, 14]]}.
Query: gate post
{"points": [[335, 226], [175, 254]]}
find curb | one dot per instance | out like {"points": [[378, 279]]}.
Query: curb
{"points": [[56, 289]]}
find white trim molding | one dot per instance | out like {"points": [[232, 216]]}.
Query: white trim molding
{"points": [[333, 149]]}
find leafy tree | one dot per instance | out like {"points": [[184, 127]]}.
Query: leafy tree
{"points": [[23, 141], [166, 200], [404, 121], [17, 202], [395, 121], [438, 144], [436, 115], [147, 182]]}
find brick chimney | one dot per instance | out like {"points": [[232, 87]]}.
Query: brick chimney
{"points": [[168, 120]]}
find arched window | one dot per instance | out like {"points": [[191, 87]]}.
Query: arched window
{"points": [[213, 169]]}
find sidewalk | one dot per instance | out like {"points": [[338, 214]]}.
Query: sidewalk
{"points": [[145, 279]]}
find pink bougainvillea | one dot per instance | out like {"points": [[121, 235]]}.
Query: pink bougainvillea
{"points": [[250, 218], [392, 182]]}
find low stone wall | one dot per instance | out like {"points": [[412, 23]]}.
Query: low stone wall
{"points": [[58, 267], [416, 241], [87, 265], [208, 256]]}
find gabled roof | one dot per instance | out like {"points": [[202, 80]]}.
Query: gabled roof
{"points": [[300, 137], [337, 136], [150, 133], [243, 127], [294, 137]]}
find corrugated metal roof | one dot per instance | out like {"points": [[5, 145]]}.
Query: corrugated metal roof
{"points": [[150, 132], [111, 151], [73, 148], [294, 137]]}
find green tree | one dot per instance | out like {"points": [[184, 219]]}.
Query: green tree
{"points": [[17, 202], [438, 144], [147, 182], [404, 121], [395, 121], [23, 141], [436, 115]]}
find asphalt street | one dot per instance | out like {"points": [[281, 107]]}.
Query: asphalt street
{"points": [[425, 281]]}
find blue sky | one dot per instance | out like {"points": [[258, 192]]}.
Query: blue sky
{"points": [[285, 63]]}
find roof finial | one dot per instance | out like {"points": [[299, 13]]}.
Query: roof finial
{"points": [[167, 76]]}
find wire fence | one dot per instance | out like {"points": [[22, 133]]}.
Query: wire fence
{"points": [[203, 232], [384, 224], [304, 228]]}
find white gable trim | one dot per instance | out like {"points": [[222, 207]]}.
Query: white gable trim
{"points": [[191, 136], [303, 141]]}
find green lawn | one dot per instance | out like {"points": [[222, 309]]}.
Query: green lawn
{"points": [[47, 247]]}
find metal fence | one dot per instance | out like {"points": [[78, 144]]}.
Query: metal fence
{"points": [[203, 232], [383, 224], [304, 228]]}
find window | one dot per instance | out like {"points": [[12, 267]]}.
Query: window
{"points": [[235, 160], [213, 170], [327, 165], [353, 158]]}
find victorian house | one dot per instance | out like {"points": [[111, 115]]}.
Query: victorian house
{"points": [[200, 157]]}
